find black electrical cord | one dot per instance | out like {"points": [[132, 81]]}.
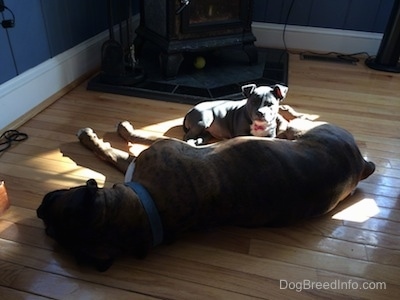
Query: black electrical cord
{"points": [[284, 31], [285, 25], [8, 23], [12, 52], [10, 136]]}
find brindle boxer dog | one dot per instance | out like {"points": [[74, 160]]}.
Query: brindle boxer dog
{"points": [[175, 187]]}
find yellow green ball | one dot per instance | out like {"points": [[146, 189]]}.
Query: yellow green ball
{"points": [[199, 62]]}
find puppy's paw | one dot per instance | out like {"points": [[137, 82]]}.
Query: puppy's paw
{"points": [[195, 142]]}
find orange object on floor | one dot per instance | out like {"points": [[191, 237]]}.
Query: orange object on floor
{"points": [[4, 202]]}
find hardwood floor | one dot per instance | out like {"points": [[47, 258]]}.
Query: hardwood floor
{"points": [[357, 259]]}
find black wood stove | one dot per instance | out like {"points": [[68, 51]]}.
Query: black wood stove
{"points": [[171, 36], [180, 26]]}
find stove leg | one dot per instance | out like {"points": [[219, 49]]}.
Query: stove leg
{"points": [[170, 64], [138, 44]]}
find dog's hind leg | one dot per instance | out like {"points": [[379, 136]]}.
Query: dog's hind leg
{"points": [[118, 158]]}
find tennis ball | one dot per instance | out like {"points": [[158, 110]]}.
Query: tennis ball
{"points": [[199, 62]]}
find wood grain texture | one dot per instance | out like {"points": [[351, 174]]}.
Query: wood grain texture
{"points": [[227, 262]]}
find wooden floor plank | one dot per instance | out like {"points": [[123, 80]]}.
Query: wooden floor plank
{"points": [[223, 263], [56, 287], [332, 263]]}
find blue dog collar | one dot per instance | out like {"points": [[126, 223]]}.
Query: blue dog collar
{"points": [[151, 210]]}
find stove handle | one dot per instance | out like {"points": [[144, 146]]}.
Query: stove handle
{"points": [[184, 3]]}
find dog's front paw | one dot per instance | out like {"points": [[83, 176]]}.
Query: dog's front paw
{"points": [[85, 131], [87, 137], [90, 140]]}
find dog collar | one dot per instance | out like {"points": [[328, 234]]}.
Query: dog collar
{"points": [[151, 210]]}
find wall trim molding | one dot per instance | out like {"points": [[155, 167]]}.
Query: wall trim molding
{"points": [[30, 92], [27, 94], [316, 39]]}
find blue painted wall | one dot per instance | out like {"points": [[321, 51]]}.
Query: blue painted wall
{"points": [[361, 15], [71, 22], [26, 44], [45, 28]]}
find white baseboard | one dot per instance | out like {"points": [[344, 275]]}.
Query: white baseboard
{"points": [[28, 93], [316, 39], [23, 93]]}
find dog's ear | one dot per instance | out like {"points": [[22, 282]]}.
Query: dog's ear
{"points": [[280, 91], [92, 186], [248, 89], [141, 251], [103, 265], [101, 261], [142, 245]]}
